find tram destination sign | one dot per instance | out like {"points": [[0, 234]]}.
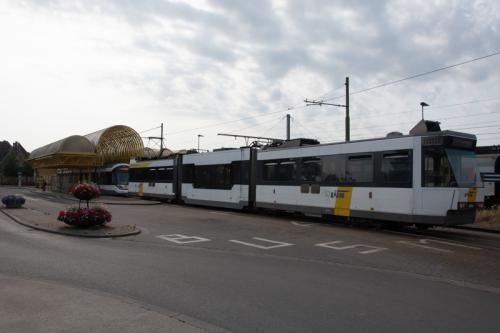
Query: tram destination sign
{"points": [[449, 142]]}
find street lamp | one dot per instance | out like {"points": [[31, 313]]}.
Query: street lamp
{"points": [[199, 136], [423, 104]]}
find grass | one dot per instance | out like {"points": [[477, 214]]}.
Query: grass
{"points": [[488, 217]]}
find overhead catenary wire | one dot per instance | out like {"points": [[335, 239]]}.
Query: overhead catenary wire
{"points": [[414, 76], [306, 129], [237, 120], [408, 123], [428, 109], [352, 93], [148, 130], [219, 142]]}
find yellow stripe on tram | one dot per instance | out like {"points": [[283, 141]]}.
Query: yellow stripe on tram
{"points": [[471, 195], [343, 201], [141, 190], [139, 165]]}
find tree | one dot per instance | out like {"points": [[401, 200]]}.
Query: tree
{"points": [[10, 167], [26, 169]]}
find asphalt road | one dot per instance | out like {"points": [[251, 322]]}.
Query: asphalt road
{"points": [[259, 273]]}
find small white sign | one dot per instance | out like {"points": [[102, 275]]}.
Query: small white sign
{"points": [[425, 243], [183, 239], [422, 246], [263, 247], [370, 248], [302, 224]]}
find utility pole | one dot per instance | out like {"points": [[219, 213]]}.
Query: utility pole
{"points": [[158, 138], [199, 136], [288, 127], [347, 119], [346, 106], [161, 140], [423, 104]]}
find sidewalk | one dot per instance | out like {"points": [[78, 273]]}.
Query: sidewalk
{"points": [[30, 305]]}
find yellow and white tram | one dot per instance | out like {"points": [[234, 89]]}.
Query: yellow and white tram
{"points": [[428, 179]]}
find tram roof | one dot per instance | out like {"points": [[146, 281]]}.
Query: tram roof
{"points": [[441, 133]]}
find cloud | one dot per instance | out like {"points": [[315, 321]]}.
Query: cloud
{"points": [[195, 63]]}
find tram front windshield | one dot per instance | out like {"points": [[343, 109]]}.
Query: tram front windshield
{"points": [[449, 167], [122, 176]]}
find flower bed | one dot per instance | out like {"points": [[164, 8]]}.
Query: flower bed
{"points": [[13, 201], [85, 217], [86, 192]]}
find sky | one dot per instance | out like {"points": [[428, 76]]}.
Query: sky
{"points": [[225, 66]]}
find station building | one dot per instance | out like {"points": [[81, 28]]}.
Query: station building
{"points": [[76, 158]]}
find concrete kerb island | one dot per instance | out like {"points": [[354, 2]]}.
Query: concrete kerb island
{"points": [[61, 229], [41, 215], [20, 215]]}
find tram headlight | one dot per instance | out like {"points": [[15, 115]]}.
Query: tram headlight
{"points": [[469, 205]]}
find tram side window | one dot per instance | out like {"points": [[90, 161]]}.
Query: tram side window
{"points": [[187, 173], [287, 170], [270, 171], [151, 175], [222, 179], [310, 170], [164, 175], [240, 172], [104, 178], [212, 176], [396, 169], [437, 169], [280, 171], [333, 170], [359, 169], [138, 175]]}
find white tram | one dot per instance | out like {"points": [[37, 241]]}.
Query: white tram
{"points": [[415, 179], [421, 179], [113, 179], [152, 179], [218, 179]]}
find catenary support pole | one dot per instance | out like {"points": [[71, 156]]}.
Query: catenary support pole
{"points": [[347, 120], [288, 127]]}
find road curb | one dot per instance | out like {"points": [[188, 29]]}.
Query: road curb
{"points": [[491, 231], [56, 228], [137, 202]]}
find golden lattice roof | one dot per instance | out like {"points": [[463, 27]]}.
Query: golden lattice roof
{"points": [[71, 144], [116, 144], [72, 151], [110, 145]]}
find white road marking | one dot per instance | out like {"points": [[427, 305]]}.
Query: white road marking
{"points": [[220, 213], [427, 241], [301, 224], [31, 198], [415, 244], [424, 243], [331, 245], [183, 239], [263, 247]]}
